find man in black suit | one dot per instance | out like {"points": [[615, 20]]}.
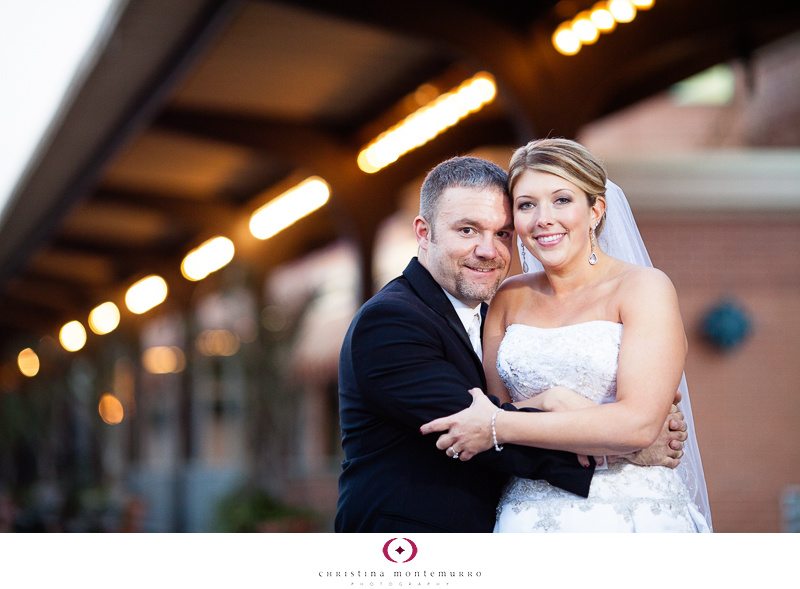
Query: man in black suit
{"points": [[408, 359]]}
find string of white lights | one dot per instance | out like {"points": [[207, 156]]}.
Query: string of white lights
{"points": [[585, 28]]}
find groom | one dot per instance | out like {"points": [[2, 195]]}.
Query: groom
{"points": [[411, 355]]}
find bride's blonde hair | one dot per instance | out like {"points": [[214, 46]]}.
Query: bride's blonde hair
{"points": [[566, 159]]}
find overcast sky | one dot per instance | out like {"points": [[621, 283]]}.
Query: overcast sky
{"points": [[45, 46]]}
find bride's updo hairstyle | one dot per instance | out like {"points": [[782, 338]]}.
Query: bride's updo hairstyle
{"points": [[566, 159]]}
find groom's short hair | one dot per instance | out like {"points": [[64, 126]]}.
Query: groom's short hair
{"points": [[462, 171]]}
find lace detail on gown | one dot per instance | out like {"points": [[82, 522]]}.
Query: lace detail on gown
{"points": [[625, 497]]}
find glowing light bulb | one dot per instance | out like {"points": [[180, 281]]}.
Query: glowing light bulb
{"points": [[584, 28], [566, 41], [163, 360], [427, 122], [146, 294], [289, 207], [110, 409], [28, 362], [207, 258], [104, 318], [602, 18], [622, 10], [72, 336]]}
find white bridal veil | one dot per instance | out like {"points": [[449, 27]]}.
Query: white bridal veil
{"points": [[620, 239]]}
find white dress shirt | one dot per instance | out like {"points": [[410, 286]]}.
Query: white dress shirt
{"points": [[468, 317]]}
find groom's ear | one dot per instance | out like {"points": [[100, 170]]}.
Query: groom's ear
{"points": [[422, 231]]}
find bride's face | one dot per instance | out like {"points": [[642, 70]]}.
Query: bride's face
{"points": [[552, 216]]}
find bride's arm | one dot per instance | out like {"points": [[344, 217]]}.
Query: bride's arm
{"points": [[556, 399], [652, 354]]}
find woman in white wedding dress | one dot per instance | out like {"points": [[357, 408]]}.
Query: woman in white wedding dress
{"points": [[605, 328]]}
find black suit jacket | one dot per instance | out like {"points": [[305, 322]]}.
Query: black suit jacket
{"points": [[407, 360]]}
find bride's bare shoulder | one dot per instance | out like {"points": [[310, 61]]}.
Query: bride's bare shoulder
{"points": [[523, 284], [643, 283], [642, 274], [517, 291]]}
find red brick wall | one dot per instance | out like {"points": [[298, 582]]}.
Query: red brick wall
{"points": [[746, 402]]}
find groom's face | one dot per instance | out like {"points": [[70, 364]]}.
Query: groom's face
{"points": [[467, 246]]}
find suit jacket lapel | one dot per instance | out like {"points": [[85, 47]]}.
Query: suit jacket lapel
{"points": [[432, 295]]}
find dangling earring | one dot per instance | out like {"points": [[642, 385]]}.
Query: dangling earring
{"points": [[524, 260], [593, 257]]}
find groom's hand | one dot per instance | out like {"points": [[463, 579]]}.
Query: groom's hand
{"points": [[668, 448]]}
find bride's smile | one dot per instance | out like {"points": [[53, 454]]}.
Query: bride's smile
{"points": [[552, 216], [549, 239]]}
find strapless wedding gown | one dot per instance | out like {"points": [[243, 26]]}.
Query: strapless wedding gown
{"points": [[622, 498]]}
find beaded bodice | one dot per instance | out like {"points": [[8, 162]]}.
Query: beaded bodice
{"points": [[582, 357]]}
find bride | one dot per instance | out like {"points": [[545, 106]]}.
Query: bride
{"points": [[599, 320]]}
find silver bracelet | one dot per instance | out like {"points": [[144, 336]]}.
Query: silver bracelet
{"points": [[494, 432]]}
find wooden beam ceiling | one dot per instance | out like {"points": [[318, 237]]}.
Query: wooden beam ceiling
{"points": [[90, 202]]}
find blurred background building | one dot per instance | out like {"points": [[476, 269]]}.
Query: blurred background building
{"points": [[168, 357]]}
